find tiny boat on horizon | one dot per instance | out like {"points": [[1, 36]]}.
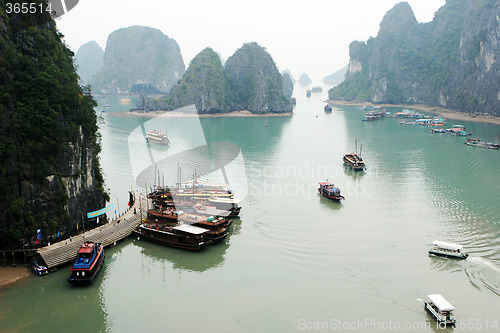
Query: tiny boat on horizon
{"points": [[87, 264], [450, 250], [440, 309], [330, 191]]}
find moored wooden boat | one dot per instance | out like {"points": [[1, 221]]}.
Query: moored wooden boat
{"points": [[87, 264], [182, 236]]}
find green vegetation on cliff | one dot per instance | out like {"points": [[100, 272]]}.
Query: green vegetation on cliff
{"points": [[49, 174], [139, 56], [451, 61], [203, 84], [250, 81]]}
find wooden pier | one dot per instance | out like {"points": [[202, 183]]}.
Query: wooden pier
{"points": [[65, 251]]}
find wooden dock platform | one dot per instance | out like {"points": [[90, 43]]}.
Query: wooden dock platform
{"points": [[65, 251]]}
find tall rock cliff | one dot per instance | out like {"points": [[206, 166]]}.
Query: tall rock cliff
{"points": [[88, 60], [203, 84], [49, 171], [139, 57], [452, 61], [254, 82], [287, 84]]}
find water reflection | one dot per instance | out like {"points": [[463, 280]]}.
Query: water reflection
{"points": [[353, 173], [208, 258]]}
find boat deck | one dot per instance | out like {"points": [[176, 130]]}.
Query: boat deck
{"points": [[65, 251]]}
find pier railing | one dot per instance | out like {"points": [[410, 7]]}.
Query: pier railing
{"points": [[65, 251]]}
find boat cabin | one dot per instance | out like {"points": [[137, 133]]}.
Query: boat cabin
{"points": [[440, 309], [450, 250]]}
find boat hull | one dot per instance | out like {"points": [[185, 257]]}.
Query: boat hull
{"points": [[331, 197], [448, 255], [158, 239]]}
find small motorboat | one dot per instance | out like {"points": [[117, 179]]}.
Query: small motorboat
{"points": [[450, 250], [39, 269], [440, 309]]}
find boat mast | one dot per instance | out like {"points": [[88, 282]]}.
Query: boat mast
{"points": [[356, 145], [360, 148]]}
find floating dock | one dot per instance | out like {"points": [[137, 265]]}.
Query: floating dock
{"points": [[65, 251]]}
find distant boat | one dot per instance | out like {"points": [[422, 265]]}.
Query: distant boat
{"points": [[354, 160], [481, 144], [330, 191], [107, 106], [328, 108], [294, 101], [450, 250], [124, 101], [87, 264], [157, 137], [317, 89], [308, 93]]}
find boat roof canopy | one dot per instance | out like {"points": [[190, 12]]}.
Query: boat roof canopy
{"points": [[86, 247], [441, 302], [190, 229], [449, 246], [325, 183]]}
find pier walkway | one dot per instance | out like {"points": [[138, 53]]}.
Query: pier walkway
{"points": [[65, 251]]}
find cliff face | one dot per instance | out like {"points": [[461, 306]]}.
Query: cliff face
{"points": [[287, 84], [88, 60], [336, 78], [254, 82], [304, 79], [49, 174], [250, 81], [139, 56], [452, 61], [203, 84]]}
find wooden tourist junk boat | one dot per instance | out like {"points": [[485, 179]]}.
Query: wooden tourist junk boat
{"points": [[330, 191], [328, 108], [87, 264], [354, 160], [481, 144], [440, 309], [182, 236], [216, 226], [450, 250], [157, 137]]}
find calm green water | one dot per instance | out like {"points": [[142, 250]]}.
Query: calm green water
{"points": [[295, 259]]}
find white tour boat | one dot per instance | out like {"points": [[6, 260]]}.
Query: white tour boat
{"points": [[440, 309], [448, 250]]}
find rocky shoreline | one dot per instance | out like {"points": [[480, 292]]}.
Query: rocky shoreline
{"points": [[174, 114], [443, 112], [11, 274]]}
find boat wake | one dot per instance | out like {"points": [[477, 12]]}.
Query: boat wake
{"points": [[485, 263], [489, 276]]}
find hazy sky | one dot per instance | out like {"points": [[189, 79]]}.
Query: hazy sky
{"points": [[304, 36]]}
